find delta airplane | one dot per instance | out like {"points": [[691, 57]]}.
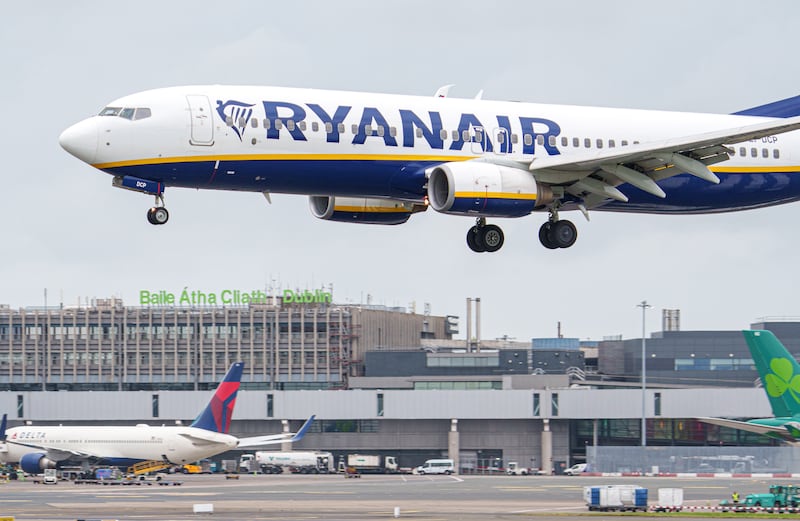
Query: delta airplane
{"points": [[378, 158], [780, 375], [37, 448]]}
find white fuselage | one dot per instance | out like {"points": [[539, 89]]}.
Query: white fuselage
{"points": [[176, 444]]}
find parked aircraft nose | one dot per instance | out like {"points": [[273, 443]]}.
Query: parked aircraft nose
{"points": [[80, 140]]}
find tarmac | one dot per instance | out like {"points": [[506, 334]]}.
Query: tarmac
{"points": [[331, 497]]}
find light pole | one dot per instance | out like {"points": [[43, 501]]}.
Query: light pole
{"points": [[644, 305]]}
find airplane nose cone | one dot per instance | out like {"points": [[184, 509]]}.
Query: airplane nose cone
{"points": [[80, 140]]}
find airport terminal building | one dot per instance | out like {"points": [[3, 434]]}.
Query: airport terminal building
{"points": [[379, 380]]}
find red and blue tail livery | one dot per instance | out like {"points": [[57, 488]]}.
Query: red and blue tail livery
{"points": [[218, 413]]}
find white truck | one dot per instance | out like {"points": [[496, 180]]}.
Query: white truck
{"points": [[372, 463], [274, 462]]}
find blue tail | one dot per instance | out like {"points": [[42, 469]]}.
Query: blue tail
{"points": [[218, 413], [785, 108]]}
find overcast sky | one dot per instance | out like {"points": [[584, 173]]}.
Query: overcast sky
{"points": [[65, 229]]}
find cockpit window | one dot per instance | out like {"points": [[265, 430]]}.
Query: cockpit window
{"points": [[110, 111], [142, 112], [131, 113]]}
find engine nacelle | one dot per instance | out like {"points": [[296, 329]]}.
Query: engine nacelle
{"points": [[485, 189], [36, 462], [362, 210]]}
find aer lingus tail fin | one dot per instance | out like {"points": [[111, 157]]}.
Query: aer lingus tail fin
{"points": [[779, 371]]}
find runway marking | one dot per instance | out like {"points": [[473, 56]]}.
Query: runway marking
{"points": [[549, 509], [527, 489], [120, 495]]}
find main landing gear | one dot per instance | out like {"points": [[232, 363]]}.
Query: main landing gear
{"points": [[556, 233], [158, 214], [553, 234], [484, 237]]}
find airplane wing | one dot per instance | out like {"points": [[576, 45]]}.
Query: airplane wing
{"points": [[769, 430], [288, 437], [593, 175]]}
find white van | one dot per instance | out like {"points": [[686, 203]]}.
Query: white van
{"points": [[576, 469], [437, 466]]}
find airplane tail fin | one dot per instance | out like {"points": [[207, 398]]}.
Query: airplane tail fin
{"points": [[785, 108], [779, 371], [3, 425], [219, 411]]}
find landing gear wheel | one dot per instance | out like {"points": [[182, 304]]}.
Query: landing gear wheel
{"points": [[157, 215], [564, 233], [545, 236], [492, 237], [475, 240]]}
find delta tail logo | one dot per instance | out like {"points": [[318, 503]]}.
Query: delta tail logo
{"points": [[782, 379], [235, 114]]}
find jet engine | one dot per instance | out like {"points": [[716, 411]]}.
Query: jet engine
{"points": [[485, 189], [362, 210], [36, 462]]}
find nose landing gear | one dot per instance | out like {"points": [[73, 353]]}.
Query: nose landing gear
{"points": [[485, 237]]}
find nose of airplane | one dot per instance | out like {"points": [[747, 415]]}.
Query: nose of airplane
{"points": [[80, 140]]}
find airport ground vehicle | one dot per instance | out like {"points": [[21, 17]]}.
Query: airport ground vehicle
{"points": [[201, 467], [50, 477], [576, 469], [778, 496], [372, 463], [436, 466], [513, 469], [616, 498], [273, 462]]}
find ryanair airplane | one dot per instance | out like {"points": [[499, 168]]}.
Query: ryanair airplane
{"points": [[378, 158]]}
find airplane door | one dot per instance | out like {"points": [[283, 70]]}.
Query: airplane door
{"points": [[480, 140], [202, 124]]}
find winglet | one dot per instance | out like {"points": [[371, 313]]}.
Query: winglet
{"points": [[218, 413], [303, 430], [442, 91]]}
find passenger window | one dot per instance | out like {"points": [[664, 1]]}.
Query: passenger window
{"points": [[301, 125], [611, 143], [242, 121], [528, 140], [754, 152], [368, 130], [393, 131], [624, 142], [229, 121], [732, 152], [267, 124], [479, 136], [564, 142], [290, 124], [419, 132], [514, 138], [278, 124], [635, 142], [576, 142], [142, 113], [381, 130], [442, 134], [465, 135], [501, 138], [254, 122], [354, 128], [599, 143], [742, 151], [587, 143], [328, 127], [764, 153], [776, 154], [455, 135], [551, 140], [340, 126], [540, 140], [315, 126]]}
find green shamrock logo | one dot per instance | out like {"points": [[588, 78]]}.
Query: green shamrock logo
{"points": [[782, 379]]}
